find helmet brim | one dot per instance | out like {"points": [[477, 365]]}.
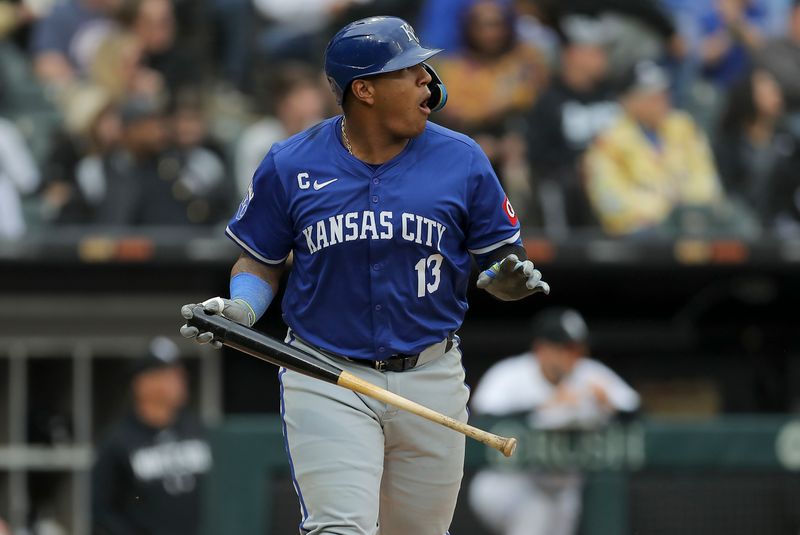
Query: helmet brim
{"points": [[407, 59]]}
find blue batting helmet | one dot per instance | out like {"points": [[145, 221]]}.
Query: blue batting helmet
{"points": [[376, 45]]}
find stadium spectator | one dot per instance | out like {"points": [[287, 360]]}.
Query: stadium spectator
{"points": [[150, 183], [203, 162], [65, 40], [76, 169], [118, 68], [784, 194], [491, 82], [648, 12], [152, 22], [310, 15], [149, 468], [13, 16], [440, 23], [296, 27], [532, 30], [730, 31], [651, 161], [636, 29], [577, 105], [752, 141], [232, 22], [359, 9], [495, 76], [190, 126], [781, 57], [295, 102], [557, 387], [19, 176], [441, 26]]}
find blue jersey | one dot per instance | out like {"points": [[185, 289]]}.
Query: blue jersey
{"points": [[381, 253]]}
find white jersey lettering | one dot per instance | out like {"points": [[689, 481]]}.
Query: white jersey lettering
{"points": [[336, 228], [406, 217], [307, 233], [352, 226], [386, 223], [322, 235], [367, 225]]}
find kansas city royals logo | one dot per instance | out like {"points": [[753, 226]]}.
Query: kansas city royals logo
{"points": [[509, 211], [410, 33], [245, 202]]}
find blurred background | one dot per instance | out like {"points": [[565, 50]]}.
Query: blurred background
{"points": [[650, 147]]}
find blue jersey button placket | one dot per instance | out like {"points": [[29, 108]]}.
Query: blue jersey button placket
{"points": [[377, 282]]}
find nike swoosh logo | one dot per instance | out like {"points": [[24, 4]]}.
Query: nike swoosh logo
{"points": [[319, 185]]}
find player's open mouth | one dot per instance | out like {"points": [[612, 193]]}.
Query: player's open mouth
{"points": [[424, 105]]}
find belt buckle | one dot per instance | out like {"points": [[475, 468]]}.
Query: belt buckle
{"points": [[410, 362], [380, 365]]}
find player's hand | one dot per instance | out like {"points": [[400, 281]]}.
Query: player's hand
{"points": [[236, 310], [601, 395], [509, 279]]}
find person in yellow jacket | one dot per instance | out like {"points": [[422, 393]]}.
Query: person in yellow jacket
{"points": [[652, 160]]}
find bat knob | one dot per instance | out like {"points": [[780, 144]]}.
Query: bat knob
{"points": [[509, 447]]}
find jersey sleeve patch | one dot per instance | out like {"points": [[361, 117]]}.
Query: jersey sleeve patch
{"points": [[245, 202], [510, 213]]}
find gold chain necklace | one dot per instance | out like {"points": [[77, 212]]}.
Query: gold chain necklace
{"points": [[345, 139]]}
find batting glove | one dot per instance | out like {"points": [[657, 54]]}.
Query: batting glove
{"points": [[236, 310], [509, 279]]}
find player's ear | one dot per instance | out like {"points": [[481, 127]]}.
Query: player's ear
{"points": [[363, 90]]}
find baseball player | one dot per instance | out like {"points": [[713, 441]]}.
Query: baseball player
{"points": [[559, 388], [383, 213]]}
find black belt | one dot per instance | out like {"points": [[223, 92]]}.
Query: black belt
{"points": [[399, 362], [395, 363]]}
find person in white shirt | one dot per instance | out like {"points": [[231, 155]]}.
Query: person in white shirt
{"points": [[299, 102], [560, 388], [19, 176]]}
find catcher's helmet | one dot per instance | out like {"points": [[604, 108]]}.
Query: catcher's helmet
{"points": [[376, 45]]}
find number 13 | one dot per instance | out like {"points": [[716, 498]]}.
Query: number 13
{"points": [[435, 263]]}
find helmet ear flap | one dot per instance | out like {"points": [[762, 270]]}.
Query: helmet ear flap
{"points": [[438, 90]]}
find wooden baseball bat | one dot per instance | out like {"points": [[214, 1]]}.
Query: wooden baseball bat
{"points": [[266, 348]]}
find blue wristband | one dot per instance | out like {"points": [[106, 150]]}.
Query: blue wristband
{"points": [[253, 290]]}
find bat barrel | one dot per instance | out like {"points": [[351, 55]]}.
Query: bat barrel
{"points": [[262, 346]]}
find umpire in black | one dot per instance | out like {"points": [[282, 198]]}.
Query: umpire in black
{"points": [[148, 470]]}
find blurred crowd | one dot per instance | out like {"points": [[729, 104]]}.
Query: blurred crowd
{"points": [[634, 118]]}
